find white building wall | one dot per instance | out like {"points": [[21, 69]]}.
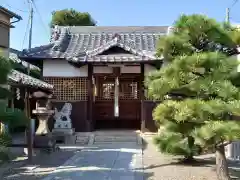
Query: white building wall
{"points": [[238, 58], [61, 68], [102, 69], [233, 150]]}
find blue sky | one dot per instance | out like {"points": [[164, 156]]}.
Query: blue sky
{"points": [[113, 13]]}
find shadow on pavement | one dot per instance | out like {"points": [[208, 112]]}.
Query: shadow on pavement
{"points": [[43, 164], [103, 163]]}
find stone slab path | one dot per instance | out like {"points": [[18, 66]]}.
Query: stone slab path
{"points": [[116, 161]]}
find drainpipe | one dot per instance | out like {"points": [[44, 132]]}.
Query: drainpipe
{"points": [[18, 19], [15, 21]]}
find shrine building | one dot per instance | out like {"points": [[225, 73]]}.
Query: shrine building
{"points": [[100, 72]]}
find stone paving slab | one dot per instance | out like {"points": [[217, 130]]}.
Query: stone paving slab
{"points": [[112, 162]]}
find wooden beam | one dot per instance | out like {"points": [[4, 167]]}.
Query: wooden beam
{"points": [[142, 97], [90, 99], [116, 71]]}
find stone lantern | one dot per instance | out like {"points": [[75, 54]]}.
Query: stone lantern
{"points": [[43, 111]]}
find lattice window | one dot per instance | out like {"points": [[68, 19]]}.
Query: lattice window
{"points": [[129, 90], [69, 89], [105, 88], [108, 90]]}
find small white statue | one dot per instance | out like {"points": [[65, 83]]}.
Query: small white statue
{"points": [[62, 117]]}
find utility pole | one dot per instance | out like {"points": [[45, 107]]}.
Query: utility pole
{"points": [[31, 25], [228, 11], [227, 15], [28, 113]]}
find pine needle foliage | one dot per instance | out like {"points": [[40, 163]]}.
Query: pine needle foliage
{"points": [[199, 69]]}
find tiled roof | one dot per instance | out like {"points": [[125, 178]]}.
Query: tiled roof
{"points": [[10, 13], [13, 55], [18, 77], [86, 43]]}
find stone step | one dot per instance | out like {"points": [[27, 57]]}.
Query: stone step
{"points": [[106, 137], [82, 140], [115, 139]]}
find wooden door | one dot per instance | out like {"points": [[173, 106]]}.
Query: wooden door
{"points": [[129, 102]]}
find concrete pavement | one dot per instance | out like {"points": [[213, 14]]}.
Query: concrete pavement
{"points": [[116, 161]]}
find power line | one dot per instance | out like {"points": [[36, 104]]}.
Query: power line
{"points": [[14, 8], [40, 17], [234, 3], [25, 34]]}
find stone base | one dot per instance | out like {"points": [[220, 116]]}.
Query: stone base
{"points": [[63, 125], [44, 141], [65, 131]]}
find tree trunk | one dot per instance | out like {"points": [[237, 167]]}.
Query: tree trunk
{"points": [[188, 159], [190, 145], [221, 164]]}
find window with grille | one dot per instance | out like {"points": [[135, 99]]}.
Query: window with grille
{"points": [[128, 90], [105, 88], [69, 89]]}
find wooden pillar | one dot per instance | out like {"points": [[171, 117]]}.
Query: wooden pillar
{"points": [[12, 99], [142, 98], [28, 132], [90, 122]]}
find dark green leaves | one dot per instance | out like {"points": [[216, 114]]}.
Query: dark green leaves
{"points": [[5, 67], [71, 17]]}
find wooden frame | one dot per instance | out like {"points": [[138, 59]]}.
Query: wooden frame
{"points": [[69, 88]]}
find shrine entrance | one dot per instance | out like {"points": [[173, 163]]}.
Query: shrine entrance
{"points": [[117, 103]]}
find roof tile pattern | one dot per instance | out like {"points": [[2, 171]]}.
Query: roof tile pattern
{"points": [[86, 43], [18, 77]]}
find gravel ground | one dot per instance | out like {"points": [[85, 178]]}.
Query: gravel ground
{"points": [[43, 164], [162, 167]]}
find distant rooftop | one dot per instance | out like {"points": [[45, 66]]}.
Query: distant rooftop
{"points": [[13, 54], [10, 13]]}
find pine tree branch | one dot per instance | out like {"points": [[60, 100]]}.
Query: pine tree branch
{"points": [[198, 74]]}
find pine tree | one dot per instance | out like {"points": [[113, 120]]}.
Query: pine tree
{"points": [[199, 98]]}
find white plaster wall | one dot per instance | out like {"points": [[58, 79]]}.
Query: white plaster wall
{"points": [[130, 69], [102, 69], [238, 58], [109, 69], [61, 68]]}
